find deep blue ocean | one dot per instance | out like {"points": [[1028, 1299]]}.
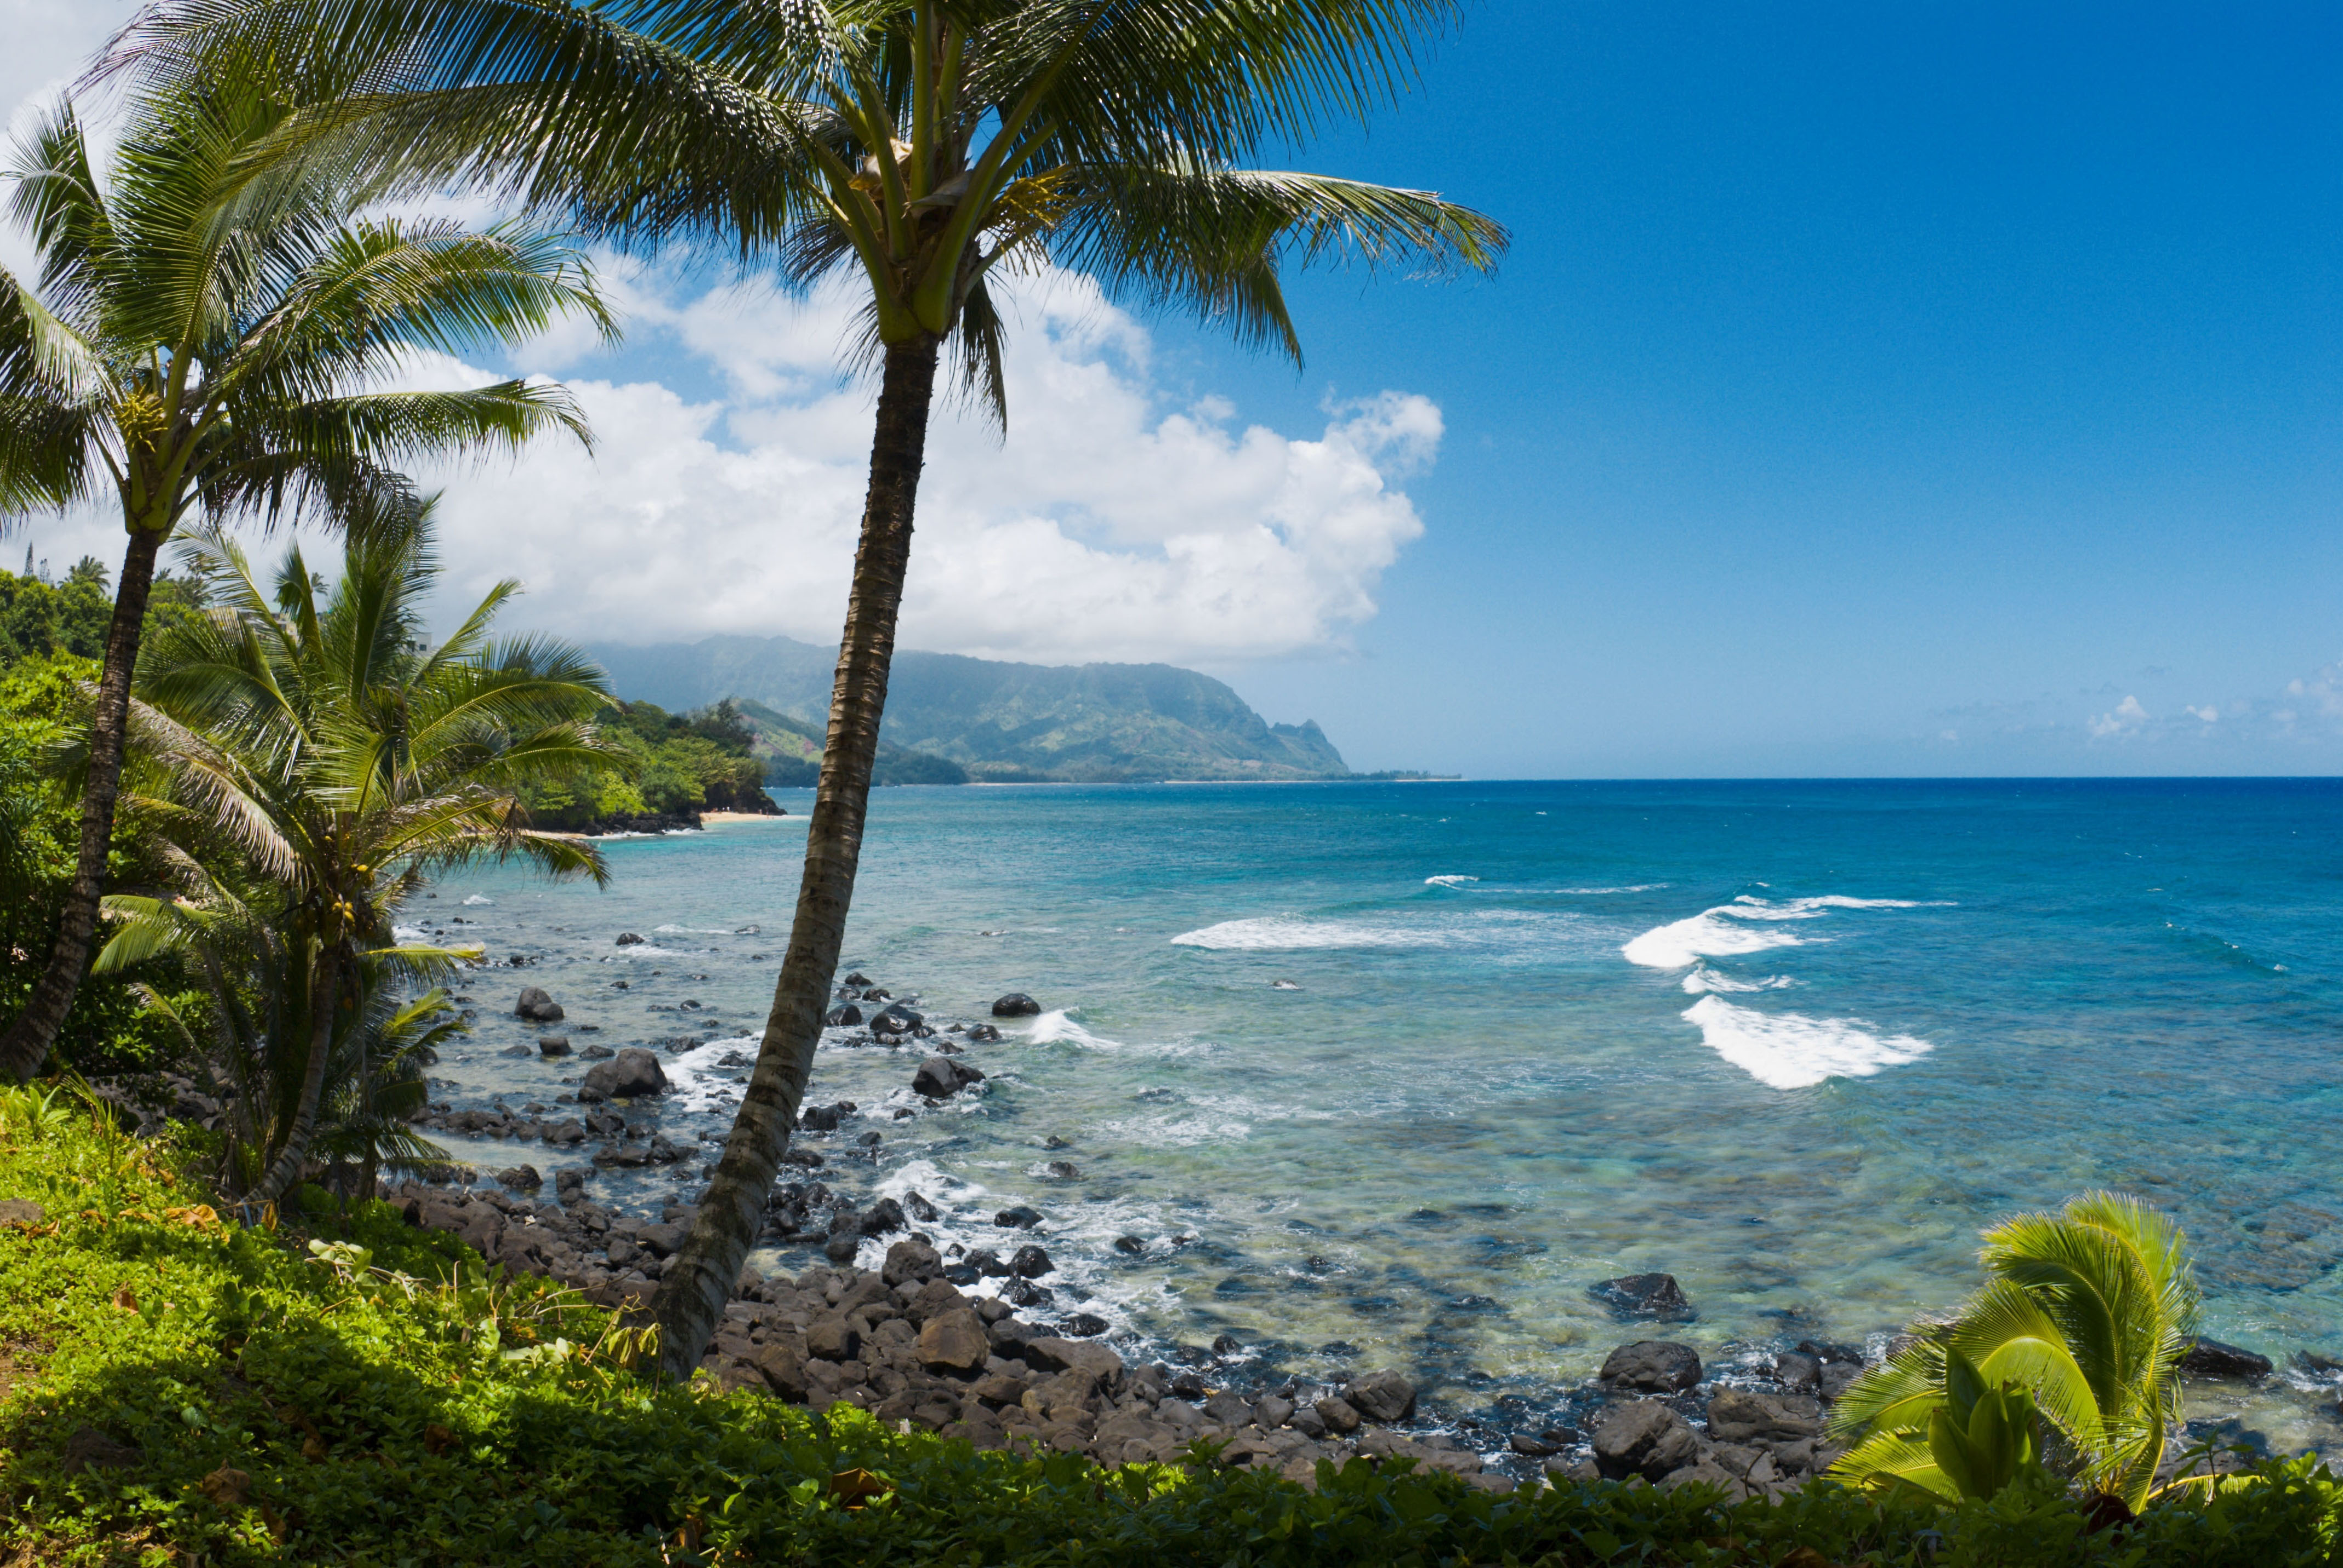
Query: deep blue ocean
{"points": [[1392, 1075]]}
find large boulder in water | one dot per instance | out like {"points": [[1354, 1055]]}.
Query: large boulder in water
{"points": [[940, 1077], [1654, 1296], [1016, 1004], [895, 1019], [629, 1075], [1654, 1366], [537, 1007]]}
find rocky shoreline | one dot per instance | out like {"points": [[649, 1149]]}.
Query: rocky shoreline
{"points": [[968, 1342], [908, 1344]]}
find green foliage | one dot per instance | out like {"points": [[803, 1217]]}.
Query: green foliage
{"points": [[387, 1399], [44, 710], [668, 763], [38, 619], [2088, 1312], [318, 760]]}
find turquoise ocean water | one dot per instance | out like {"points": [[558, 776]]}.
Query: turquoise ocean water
{"points": [[1390, 1074]]}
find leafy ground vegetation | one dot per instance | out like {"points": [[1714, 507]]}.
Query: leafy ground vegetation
{"points": [[179, 1387]]}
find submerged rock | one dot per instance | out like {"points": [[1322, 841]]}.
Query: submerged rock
{"points": [[1654, 1296]]}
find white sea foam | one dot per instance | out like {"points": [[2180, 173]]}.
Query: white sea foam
{"points": [[477, 901], [1450, 881], [409, 935], [696, 1086], [1791, 1051], [1597, 892], [1717, 933], [672, 930], [1287, 933], [1705, 978]]}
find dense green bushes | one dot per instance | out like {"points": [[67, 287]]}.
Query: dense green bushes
{"points": [[235, 1386], [44, 708]]}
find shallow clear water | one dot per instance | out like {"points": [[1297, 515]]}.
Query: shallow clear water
{"points": [[1794, 1043]]}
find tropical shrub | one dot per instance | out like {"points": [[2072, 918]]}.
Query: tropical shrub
{"points": [[346, 760], [2084, 1318]]}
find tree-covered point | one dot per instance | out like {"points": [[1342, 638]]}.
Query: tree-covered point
{"points": [[674, 765]]}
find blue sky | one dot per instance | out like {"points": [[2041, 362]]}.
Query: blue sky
{"points": [[1871, 389]]}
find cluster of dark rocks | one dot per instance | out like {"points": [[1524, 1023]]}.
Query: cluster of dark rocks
{"points": [[905, 1342]]}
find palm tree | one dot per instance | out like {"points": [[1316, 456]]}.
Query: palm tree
{"points": [[348, 761], [209, 334], [255, 1036], [928, 149], [2087, 1313]]}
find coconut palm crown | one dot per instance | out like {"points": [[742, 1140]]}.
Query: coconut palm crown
{"points": [[212, 334]]}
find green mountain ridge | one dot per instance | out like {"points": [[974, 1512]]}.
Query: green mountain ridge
{"points": [[995, 721]]}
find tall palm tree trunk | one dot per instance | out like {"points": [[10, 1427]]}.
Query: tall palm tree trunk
{"points": [[293, 1152], [27, 1045], [691, 1301]]}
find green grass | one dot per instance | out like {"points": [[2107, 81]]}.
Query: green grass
{"points": [[362, 1393]]}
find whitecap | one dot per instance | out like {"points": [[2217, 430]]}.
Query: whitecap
{"points": [[673, 931], [1280, 933], [1450, 881], [1598, 892], [1685, 942], [476, 902], [1705, 978], [1717, 933], [1791, 1051], [1056, 1027], [409, 935]]}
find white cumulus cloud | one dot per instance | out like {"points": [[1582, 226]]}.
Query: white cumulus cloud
{"points": [[1108, 525]]}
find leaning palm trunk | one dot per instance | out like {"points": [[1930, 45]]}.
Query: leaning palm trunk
{"points": [[27, 1045], [692, 1299], [293, 1152]]}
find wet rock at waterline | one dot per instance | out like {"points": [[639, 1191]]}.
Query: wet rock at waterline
{"points": [[631, 1074], [2212, 1359], [537, 1006], [940, 1078], [553, 1045], [1653, 1366], [1016, 1004]]}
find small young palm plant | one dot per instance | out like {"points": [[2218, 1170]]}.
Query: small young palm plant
{"points": [[347, 760], [2081, 1326]]}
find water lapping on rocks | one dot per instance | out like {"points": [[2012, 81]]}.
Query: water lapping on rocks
{"points": [[1420, 1154]]}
